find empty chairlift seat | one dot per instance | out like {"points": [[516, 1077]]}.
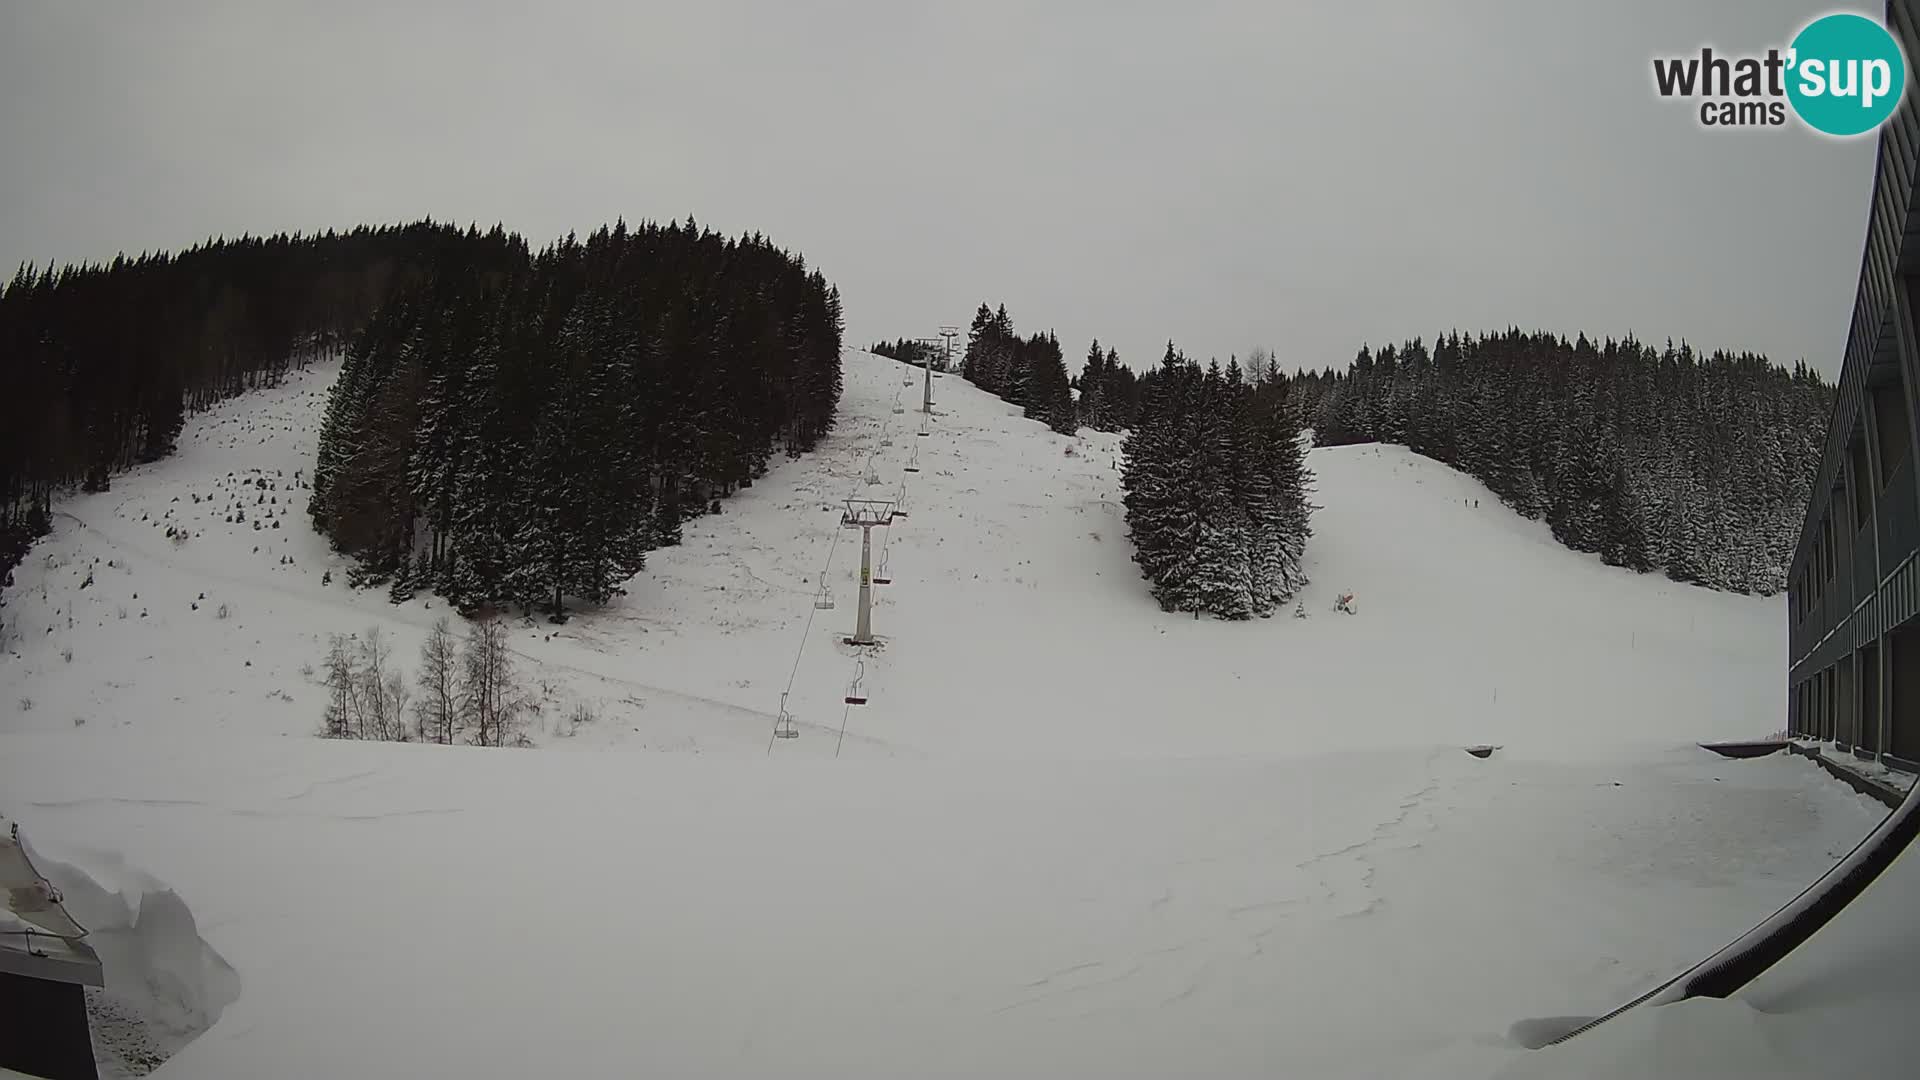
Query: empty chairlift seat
{"points": [[856, 691]]}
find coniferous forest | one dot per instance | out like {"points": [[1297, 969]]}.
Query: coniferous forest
{"points": [[507, 427], [1656, 459], [1216, 488], [525, 437], [104, 362], [1030, 372], [1109, 391]]}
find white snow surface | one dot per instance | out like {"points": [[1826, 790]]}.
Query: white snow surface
{"points": [[1016, 625], [1070, 835]]}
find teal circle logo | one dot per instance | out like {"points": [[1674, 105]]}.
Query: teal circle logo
{"points": [[1845, 74]]}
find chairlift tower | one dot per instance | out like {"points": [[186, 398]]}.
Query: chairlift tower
{"points": [[926, 364], [949, 334], [864, 514]]}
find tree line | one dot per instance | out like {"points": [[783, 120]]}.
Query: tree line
{"points": [[102, 363], [1030, 372], [1216, 488], [524, 436], [1656, 459], [908, 351]]}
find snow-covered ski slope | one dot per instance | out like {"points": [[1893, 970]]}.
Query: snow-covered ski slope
{"points": [[404, 911], [1015, 625], [1069, 835]]}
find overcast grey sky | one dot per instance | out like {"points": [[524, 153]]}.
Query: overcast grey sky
{"points": [[1301, 176]]}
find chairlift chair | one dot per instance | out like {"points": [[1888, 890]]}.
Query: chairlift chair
{"points": [[783, 728], [823, 600], [856, 695], [880, 576]]}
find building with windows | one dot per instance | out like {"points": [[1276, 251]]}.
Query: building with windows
{"points": [[1854, 584]]}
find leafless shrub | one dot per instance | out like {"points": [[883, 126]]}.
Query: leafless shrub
{"points": [[490, 693], [438, 712]]}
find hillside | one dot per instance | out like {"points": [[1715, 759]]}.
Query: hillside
{"points": [[1071, 835], [1013, 597]]}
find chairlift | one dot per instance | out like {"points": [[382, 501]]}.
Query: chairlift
{"points": [[823, 600], [880, 576], [783, 728], [873, 475], [898, 408], [856, 695]]}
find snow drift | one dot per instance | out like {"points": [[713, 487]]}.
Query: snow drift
{"points": [[164, 984]]}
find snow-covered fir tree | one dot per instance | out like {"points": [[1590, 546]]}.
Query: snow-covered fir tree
{"points": [[1031, 372], [1215, 490]]}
